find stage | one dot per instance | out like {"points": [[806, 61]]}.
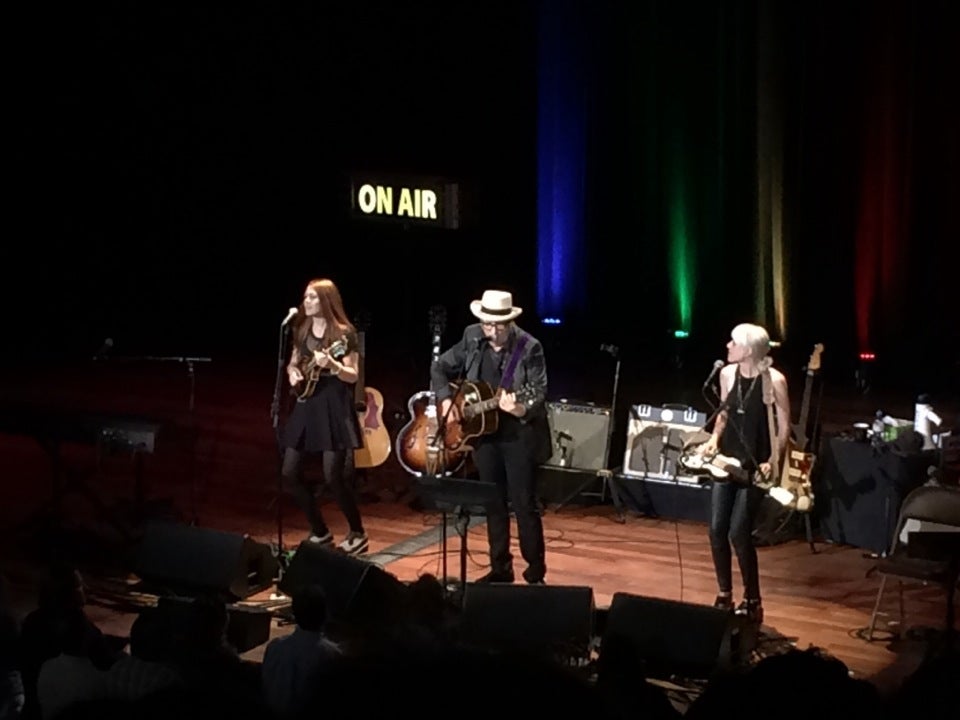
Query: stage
{"points": [[213, 465]]}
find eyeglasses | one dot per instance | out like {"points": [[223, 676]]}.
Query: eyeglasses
{"points": [[493, 325]]}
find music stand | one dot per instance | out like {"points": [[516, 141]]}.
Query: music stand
{"points": [[463, 498]]}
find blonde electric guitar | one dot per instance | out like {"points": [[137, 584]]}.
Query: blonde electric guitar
{"points": [[799, 461]]}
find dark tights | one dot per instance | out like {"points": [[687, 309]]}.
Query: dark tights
{"points": [[338, 472]]}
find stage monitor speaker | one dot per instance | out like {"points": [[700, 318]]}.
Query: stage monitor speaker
{"points": [[186, 559], [354, 588], [542, 620], [655, 436], [671, 637], [578, 435]]}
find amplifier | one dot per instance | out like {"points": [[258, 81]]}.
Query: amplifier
{"points": [[578, 434], [655, 436]]}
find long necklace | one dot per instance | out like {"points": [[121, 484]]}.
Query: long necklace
{"points": [[740, 408]]}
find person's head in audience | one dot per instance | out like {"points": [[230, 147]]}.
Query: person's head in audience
{"points": [[932, 686], [309, 605], [62, 588], [210, 620], [150, 636], [427, 602], [818, 686]]}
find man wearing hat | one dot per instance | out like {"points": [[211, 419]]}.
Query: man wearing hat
{"points": [[497, 352]]}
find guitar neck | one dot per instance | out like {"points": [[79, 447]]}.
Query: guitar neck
{"points": [[801, 429]]}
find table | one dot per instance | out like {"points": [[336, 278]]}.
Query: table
{"points": [[858, 489]]}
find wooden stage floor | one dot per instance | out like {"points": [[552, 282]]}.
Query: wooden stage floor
{"points": [[218, 468]]}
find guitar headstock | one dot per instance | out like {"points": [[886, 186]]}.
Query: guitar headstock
{"points": [[813, 364], [338, 349], [438, 319]]}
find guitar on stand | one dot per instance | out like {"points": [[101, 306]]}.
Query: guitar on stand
{"points": [[369, 404], [799, 461], [791, 485], [419, 450]]}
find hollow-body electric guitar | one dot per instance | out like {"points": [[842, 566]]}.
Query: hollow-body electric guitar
{"points": [[419, 449]]}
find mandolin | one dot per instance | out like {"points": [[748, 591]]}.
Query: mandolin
{"points": [[311, 370]]}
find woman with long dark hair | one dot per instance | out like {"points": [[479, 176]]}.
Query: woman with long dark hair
{"points": [[322, 371]]}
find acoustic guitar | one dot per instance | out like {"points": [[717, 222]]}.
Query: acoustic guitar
{"points": [[369, 402], [311, 371], [477, 410], [419, 450]]}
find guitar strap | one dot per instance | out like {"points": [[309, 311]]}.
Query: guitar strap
{"points": [[769, 400], [506, 380]]}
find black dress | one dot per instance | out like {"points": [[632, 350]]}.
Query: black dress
{"points": [[327, 420]]}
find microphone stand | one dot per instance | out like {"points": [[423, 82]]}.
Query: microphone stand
{"points": [[275, 421], [190, 362], [437, 446], [605, 474]]}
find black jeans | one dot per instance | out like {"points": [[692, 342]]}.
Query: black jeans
{"points": [[507, 464], [733, 508], [338, 471]]}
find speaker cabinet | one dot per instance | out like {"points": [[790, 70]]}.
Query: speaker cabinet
{"points": [[187, 560], [354, 588], [543, 620], [655, 436], [247, 627], [670, 637], [579, 435]]}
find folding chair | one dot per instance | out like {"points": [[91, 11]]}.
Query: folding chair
{"points": [[937, 504]]}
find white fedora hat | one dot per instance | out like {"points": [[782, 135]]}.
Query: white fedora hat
{"points": [[495, 306]]}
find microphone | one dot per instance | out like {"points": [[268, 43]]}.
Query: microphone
{"points": [[291, 314], [104, 349], [717, 364]]}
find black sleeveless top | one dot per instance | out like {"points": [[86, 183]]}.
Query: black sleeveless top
{"points": [[746, 435]]}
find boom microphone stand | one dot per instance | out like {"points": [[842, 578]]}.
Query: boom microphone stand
{"points": [[605, 474], [190, 362], [275, 419]]}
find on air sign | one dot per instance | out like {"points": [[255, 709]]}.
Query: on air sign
{"points": [[420, 200]]}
